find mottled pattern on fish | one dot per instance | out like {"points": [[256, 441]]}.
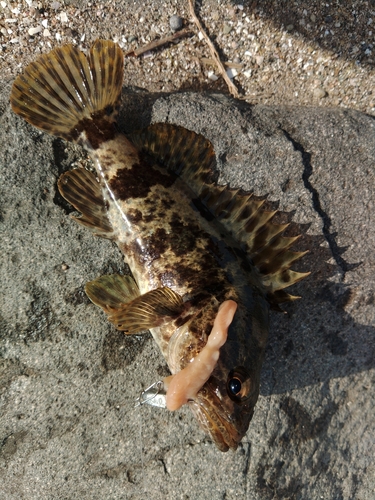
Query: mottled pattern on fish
{"points": [[190, 244]]}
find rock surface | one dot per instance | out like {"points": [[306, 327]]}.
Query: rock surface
{"points": [[68, 380]]}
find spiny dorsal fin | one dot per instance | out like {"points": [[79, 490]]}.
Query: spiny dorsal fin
{"points": [[244, 218], [191, 156], [81, 189], [62, 91], [129, 311]]}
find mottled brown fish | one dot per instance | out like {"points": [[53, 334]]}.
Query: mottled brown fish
{"points": [[191, 245]]}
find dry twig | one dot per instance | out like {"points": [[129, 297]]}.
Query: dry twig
{"points": [[232, 88], [158, 43]]}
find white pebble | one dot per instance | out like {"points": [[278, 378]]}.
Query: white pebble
{"points": [[63, 17], [247, 73], [15, 11], [3, 4], [45, 23], [232, 72], [58, 37], [211, 75], [46, 32], [200, 35], [34, 31]]}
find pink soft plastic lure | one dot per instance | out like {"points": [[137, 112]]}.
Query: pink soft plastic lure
{"points": [[186, 383]]}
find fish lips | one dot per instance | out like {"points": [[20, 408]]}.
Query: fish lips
{"points": [[224, 421]]}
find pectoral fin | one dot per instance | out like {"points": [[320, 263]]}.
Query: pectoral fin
{"points": [[130, 312]]}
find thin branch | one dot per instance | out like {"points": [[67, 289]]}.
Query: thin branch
{"points": [[211, 62], [158, 43], [232, 88]]}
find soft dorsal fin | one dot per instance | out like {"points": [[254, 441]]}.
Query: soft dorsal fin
{"points": [[192, 157]]}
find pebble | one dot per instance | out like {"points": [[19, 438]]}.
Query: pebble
{"points": [[34, 31], [211, 75], [227, 29], [175, 22], [319, 93], [313, 18], [232, 72]]}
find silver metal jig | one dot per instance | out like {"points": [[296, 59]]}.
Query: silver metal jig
{"points": [[153, 395]]}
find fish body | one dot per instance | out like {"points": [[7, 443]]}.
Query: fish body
{"points": [[191, 245]]}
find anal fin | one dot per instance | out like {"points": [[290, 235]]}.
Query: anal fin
{"points": [[81, 189], [130, 312], [112, 291]]}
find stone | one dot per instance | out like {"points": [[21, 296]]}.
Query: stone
{"points": [[319, 93], [175, 22], [68, 380]]}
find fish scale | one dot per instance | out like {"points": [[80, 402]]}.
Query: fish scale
{"points": [[195, 249]]}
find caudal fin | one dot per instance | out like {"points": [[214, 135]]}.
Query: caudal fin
{"points": [[64, 92]]}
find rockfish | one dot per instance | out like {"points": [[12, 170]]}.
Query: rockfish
{"points": [[207, 261]]}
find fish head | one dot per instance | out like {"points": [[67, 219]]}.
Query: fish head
{"points": [[224, 406]]}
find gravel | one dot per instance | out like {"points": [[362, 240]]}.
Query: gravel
{"points": [[302, 47]]}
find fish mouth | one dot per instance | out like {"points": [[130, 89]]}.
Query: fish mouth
{"points": [[224, 429]]}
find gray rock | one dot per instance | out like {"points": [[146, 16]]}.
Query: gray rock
{"points": [[175, 22], [68, 380]]}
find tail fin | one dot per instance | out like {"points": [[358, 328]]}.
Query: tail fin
{"points": [[64, 91]]}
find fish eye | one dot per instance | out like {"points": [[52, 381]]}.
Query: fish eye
{"points": [[234, 386], [238, 385]]}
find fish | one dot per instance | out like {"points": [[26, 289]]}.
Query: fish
{"points": [[208, 262]]}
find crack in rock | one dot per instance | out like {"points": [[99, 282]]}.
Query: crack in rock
{"points": [[327, 223]]}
